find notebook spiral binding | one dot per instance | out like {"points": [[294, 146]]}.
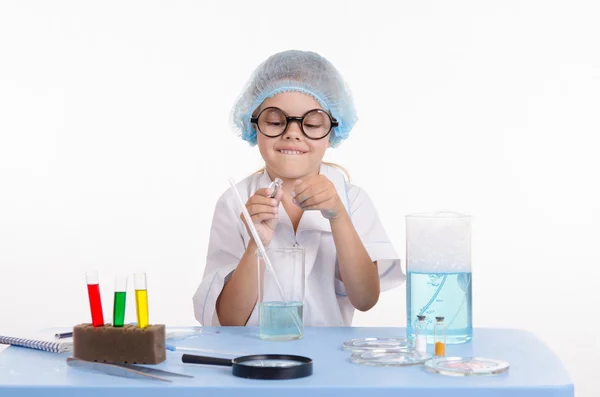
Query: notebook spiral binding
{"points": [[48, 346]]}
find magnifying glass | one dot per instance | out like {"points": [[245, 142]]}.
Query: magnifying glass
{"points": [[259, 366]]}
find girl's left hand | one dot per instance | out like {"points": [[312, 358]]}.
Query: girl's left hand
{"points": [[318, 193]]}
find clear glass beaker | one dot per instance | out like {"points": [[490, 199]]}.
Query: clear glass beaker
{"points": [[438, 251], [281, 317]]}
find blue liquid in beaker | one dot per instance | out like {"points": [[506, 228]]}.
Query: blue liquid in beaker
{"points": [[440, 294], [277, 321]]}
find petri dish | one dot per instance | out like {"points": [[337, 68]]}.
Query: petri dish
{"points": [[369, 344], [466, 366], [184, 332], [386, 358]]}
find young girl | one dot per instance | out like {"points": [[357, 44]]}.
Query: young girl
{"points": [[295, 107]]}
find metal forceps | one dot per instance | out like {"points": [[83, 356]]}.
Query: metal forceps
{"points": [[125, 370]]}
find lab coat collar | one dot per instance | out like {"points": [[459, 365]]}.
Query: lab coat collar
{"points": [[313, 220]]}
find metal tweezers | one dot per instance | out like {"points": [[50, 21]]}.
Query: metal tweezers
{"points": [[124, 370]]}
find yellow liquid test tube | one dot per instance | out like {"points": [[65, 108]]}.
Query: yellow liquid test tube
{"points": [[141, 299]]}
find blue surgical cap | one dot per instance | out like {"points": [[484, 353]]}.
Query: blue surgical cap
{"points": [[300, 71]]}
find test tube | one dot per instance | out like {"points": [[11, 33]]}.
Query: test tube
{"points": [[119, 301], [439, 335], [93, 287], [141, 299]]}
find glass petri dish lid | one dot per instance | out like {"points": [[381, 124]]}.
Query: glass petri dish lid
{"points": [[466, 366], [369, 344], [386, 358]]}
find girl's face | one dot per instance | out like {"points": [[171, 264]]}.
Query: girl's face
{"points": [[291, 155]]}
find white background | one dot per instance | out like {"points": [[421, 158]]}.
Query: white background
{"points": [[115, 145]]}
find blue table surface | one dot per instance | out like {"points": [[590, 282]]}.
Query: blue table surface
{"points": [[534, 369]]}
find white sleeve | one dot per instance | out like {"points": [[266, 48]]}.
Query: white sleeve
{"points": [[373, 236], [225, 249]]}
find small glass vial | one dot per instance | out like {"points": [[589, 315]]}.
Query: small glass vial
{"points": [[421, 335], [275, 186], [439, 337]]}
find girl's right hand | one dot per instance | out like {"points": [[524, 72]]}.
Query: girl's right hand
{"points": [[263, 211]]}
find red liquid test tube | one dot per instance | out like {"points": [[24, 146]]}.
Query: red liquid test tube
{"points": [[93, 287]]}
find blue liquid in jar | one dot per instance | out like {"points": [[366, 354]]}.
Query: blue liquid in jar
{"points": [[276, 320], [440, 294]]}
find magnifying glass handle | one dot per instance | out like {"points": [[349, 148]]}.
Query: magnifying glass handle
{"points": [[194, 359]]}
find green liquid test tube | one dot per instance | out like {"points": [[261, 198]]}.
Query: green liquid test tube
{"points": [[119, 302]]}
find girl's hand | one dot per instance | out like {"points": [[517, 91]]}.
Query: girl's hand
{"points": [[263, 211], [318, 193]]}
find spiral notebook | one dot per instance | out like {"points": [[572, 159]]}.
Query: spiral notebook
{"points": [[43, 344]]}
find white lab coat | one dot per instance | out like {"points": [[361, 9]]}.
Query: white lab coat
{"points": [[326, 303]]}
